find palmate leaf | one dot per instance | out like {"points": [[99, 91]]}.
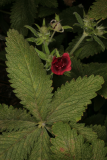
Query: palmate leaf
{"points": [[69, 101], [15, 119], [33, 141], [41, 150], [27, 75], [23, 13], [67, 145], [17, 145], [98, 9]]}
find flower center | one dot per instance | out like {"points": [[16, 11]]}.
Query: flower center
{"points": [[60, 63]]}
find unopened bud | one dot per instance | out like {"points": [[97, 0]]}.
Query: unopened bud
{"points": [[44, 30]]}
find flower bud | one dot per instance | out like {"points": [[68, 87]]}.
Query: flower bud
{"points": [[56, 26], [44, 34], [100, 30], [44, 30]]}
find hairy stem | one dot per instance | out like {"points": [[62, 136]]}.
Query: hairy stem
{"points": [[52, 35], [78, 43]]}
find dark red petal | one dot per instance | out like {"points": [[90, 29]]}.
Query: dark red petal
{"points": [[66, 64]]}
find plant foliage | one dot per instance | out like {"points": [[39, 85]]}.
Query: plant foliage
{"points": [[85, 49], [26, 134], [23, 12], [30, 83], [52, 124], [68, 145], [98, 10]]}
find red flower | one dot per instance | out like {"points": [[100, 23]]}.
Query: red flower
{"points": [[61, 64]]}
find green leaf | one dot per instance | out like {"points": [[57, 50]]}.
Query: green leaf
{"points": [[32, 30], [41, 54], [43, 24], [77, 24], [100, 130], [87, 48], [22, 13], [99, 42], [77, 68], [27, 76], [57, 17], [41, 150], [79, 19], [99, 151], [98, 10], [37, 26], [67, 144], [67, 74], [77, 52], [88, 134], [50, 4], [53, 52], [39, 41], [32, 39], [67, 27], [68, 18], [69, 101], [15, 119], [46, 49], [18, 145], [98, 69]]}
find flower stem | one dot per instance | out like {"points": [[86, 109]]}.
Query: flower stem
{"points": [[52, 35], [78, 43]]}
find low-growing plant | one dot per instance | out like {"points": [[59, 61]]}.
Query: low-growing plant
{"points": [[48, 128]]}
